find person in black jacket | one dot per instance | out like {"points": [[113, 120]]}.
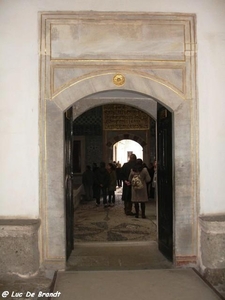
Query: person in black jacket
{"points": [[95, 188], [126, 195], [101, 180], [87, 181], [151, 189]]}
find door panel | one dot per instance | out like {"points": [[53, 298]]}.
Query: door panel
{"points": [[164, 181], [69, 182]]}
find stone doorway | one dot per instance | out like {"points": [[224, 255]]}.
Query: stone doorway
{"points": [[162, 70]]}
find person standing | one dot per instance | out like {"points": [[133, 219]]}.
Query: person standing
{"points": [[126, 194], [118, 174], [102, 182], [139, 191], [154, 180], [112, 183], [87, 181], [95, 188], [150, 188]]}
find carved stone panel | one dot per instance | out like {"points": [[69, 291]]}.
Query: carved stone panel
{"points": [[81, 45]]}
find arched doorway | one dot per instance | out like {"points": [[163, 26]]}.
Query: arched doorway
{"points": [[176, 94], [124, 148], [142, 135], [56, 146]]}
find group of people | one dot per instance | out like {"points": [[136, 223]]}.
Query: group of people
{"points": [[99, 181], [135, 178]]}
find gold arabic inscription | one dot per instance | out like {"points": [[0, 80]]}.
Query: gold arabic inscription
{"points": [[123, 117]]}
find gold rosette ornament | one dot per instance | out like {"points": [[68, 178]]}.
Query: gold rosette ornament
{"points": [[119, 79]]}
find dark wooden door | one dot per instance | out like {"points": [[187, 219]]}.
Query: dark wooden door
{"points": [[69, 182], [164, 181]]}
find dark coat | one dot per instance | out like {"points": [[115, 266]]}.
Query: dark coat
{"points": [[112, 181], [88, 178], [125, 172], [101, 177], [151, 172]]}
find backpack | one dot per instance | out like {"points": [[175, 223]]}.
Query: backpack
{"points": [[136, 182]]}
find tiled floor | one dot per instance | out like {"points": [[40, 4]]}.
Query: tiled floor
{"points": [[107, 239], [100, 224]]}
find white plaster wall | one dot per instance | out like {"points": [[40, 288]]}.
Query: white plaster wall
{"points": [[19, 92]]}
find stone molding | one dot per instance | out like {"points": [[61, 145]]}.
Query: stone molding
{"points": [[213, 224]]}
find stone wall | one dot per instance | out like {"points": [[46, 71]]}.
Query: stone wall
{"points": [[212, 241], [19, 246]]}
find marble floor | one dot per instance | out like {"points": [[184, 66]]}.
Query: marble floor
{"points": [[107, 239], [100, 224]]}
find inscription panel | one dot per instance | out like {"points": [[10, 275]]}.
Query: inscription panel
{"points": [[123, 117], [111, 40]]}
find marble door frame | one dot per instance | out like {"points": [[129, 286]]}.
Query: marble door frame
{"points": [[175, 89]]}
